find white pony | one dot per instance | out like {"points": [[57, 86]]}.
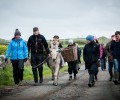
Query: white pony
{"points": [[54, 61]]}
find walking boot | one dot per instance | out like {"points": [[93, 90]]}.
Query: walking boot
{"points": [[90, 81], [41, 79]]}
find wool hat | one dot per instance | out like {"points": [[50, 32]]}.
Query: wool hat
{"points": [[70, 41], [90, 38], [17, 32]]}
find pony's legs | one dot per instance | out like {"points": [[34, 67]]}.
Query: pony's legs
{"points": [[56, 74]]}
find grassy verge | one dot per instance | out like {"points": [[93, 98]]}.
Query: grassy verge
{"points": [[6, 75]]}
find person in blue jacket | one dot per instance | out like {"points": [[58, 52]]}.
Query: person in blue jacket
{"points": [[18, 53]]}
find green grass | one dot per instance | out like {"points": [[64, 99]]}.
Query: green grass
{"points": [[6, 75]]}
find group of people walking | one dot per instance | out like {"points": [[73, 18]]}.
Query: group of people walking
{"points": [[113, 52], [19, 52], [96, 54], [93, 53]]}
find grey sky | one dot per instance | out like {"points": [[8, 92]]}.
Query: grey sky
{"points": [[67, 18]]}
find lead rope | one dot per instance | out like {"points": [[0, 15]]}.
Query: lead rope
{"points": [[41, 63]]}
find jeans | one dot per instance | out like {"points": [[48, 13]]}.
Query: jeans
{"points": [[110, 67], [116, 65], [96, 71], [103, 64]]}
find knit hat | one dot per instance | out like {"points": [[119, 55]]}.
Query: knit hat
{"points": [[17, 32], [90, 38], [70, 41]]}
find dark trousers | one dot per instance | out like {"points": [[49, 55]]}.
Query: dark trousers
{"points": [[36, 59], [110, 67], [72, 68], [92, 72], [18, 68]]}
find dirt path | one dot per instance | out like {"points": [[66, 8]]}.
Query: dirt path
{"points": [[68, 90]]}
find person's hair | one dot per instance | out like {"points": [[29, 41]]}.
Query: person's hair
{"points": [[117, 33], [97, 41], [35, 29], [56, 36], [112, 36]]}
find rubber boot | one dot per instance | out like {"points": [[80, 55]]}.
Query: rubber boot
{"points": [[116, 78], [91, 80], [75, 76], [90, 83]]}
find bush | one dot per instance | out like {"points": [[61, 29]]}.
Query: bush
{"points": [[3, 49]]}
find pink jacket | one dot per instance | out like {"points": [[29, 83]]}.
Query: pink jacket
{"points": [[101, 51]]}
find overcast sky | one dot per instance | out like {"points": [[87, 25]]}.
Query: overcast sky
{"points": [[66, 18]]}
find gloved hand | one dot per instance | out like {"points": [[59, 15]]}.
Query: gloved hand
{"points": [[6, 59], [25, 59], [49, 55]]}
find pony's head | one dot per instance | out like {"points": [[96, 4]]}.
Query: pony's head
{"points": [[55, 51]]}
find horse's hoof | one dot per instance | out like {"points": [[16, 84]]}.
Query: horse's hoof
{"points": [[52, 79]]}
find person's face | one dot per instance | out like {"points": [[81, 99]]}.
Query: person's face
{"points": [[113, 38], [95, 41], [88, 41], [17, 37], [102, 45], [117, 37], [36, 32], [55, 40]]}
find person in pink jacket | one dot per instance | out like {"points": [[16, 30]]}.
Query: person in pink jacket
{"points": [[102, 57], [97, 42]]}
